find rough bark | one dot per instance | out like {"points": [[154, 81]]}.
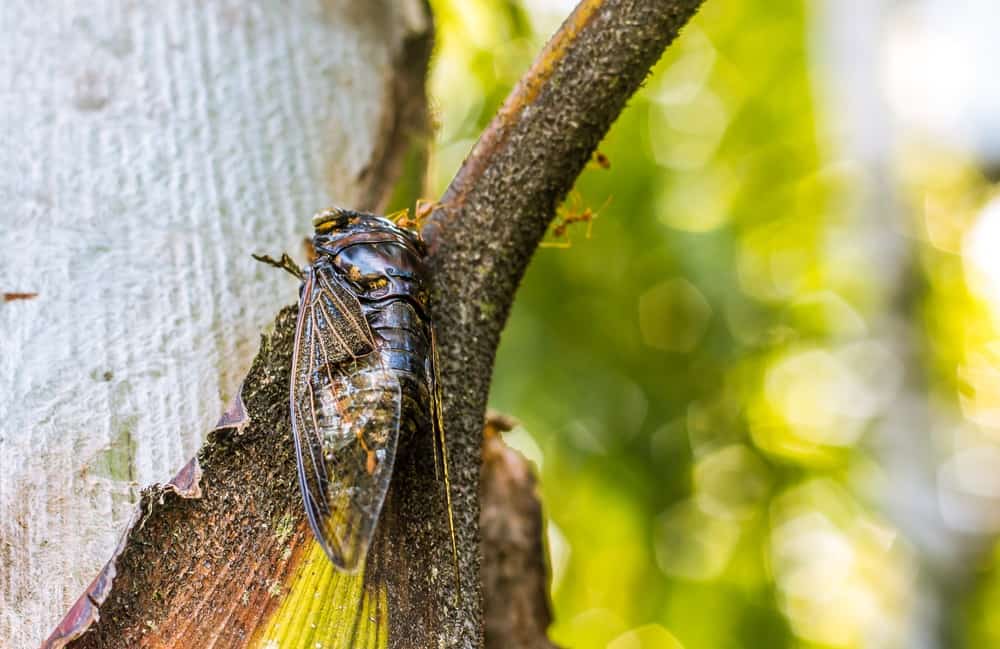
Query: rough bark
{"points": [[481, 236]]}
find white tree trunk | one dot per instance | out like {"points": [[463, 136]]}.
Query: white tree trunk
{"points": [[911, 436], [149, 148]]}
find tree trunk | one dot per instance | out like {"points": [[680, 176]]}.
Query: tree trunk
{"points": [[908, 435], [150, 147]]}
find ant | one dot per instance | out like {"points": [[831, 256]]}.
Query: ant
{"points": [[600, 160], [423, 209], [575, 213]]}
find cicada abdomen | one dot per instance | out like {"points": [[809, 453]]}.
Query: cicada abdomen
{"points": [[363, 374]]}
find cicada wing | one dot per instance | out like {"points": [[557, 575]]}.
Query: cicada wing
{"points": [[346, 410], [347, 462]]}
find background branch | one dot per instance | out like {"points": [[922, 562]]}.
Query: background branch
{"points": [[515, 572]]}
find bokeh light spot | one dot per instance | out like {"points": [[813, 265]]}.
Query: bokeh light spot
{"points": [[559, 553], [681, 82], [673, 316], [980, 396], [685, 136], [524, 443], [692, 544], [650, 636], [969, 490], [698, 202], [980, 253], [815, 393], [824, 313], [594, 627], [841, 576], [731, 482]]}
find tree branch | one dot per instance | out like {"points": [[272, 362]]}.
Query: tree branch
{"points": [[225, 565], [497, 208]]}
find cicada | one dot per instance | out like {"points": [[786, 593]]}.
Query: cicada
{"points": [[363, 374]]}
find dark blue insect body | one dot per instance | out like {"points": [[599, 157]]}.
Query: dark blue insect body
{"points": [[363, 374]]}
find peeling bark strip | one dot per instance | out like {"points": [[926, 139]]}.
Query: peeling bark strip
{"points": [[237, 567], [186, 484]]}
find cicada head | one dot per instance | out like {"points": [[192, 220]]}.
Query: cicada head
{"points": [[377, 259]]}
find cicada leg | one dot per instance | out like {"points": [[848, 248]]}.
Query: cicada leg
{"points": [[438, 425], [286, 263]]}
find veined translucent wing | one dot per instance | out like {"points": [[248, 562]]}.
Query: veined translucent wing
{"points": [[346, 409]]}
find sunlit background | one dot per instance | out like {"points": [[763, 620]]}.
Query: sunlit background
{"points": [[763, 395]]}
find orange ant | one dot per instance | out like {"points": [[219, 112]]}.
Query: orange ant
{"points": [[600, 160], [423, 209], [575, 213]]}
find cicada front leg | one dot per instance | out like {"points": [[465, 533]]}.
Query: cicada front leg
{"points": [[286, 263]]}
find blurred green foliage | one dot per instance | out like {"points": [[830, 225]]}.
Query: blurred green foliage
{"points": [[695, 377]]}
